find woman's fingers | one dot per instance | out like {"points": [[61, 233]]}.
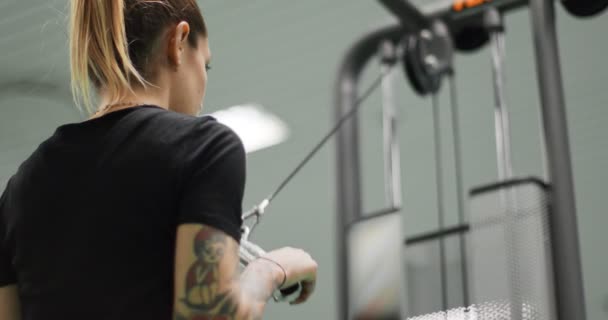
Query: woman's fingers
{"points": [[299, 266], [307, 289]]}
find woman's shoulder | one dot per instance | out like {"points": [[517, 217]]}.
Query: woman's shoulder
{"points": [[196, 128], [200, 134]]}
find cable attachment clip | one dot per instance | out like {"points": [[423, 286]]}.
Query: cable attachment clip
{"points": [[256, 212], [249, 251]]}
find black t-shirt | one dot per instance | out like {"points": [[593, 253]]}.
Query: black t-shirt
{"points": [[88, 222]]}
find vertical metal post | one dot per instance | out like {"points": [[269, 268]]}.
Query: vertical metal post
{"points": [[348, 186], [494, 24], [392, 157], [349, 201], [570, 299], [495, 28]]}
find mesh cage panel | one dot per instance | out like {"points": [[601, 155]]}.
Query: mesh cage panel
{"points": [[497, 310], [509, 255], [509, 249]]}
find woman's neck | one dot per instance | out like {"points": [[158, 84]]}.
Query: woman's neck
{"points": [[149, 95]]}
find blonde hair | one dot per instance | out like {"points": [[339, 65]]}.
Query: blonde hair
{"points": [[110, 41]]}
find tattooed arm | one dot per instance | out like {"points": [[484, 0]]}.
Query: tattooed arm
{"points": [[207, 282]]}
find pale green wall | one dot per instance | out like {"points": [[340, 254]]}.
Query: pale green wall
{"points": [[284, 55]]}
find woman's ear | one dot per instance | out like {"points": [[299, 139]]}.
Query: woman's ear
{"points": [[178, 40]]}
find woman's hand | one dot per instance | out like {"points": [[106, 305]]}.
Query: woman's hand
{"points": [[299, 267]]}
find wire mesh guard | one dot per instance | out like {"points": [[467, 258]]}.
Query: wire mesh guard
{"points": [[497, 310], [510, 251], [511, 276]]}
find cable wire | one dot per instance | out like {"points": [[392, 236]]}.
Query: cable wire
{"points": [[459, 186], [440, 197], [336, 127]]}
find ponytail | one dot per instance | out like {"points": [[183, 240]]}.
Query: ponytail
{"points": [[111, 41], [99, 50]]}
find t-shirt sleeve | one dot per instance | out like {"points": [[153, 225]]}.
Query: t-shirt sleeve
{"points": [[213, 179], [7, 272]]}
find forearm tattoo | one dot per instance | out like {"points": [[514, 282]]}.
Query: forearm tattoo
{"points": [[203, 295]]}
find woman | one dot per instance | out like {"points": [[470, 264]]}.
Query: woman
{"points": [[136, 212]]}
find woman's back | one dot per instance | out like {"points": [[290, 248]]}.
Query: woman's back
{"points": [[88, 223]]}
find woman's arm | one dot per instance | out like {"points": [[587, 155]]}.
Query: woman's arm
{"points": [[9, 303], [207, 281]]}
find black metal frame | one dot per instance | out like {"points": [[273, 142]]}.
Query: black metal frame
{"points": [[437, 234], [565, 249]]}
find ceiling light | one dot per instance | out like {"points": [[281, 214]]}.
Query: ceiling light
{"points": [[257, 127]]}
